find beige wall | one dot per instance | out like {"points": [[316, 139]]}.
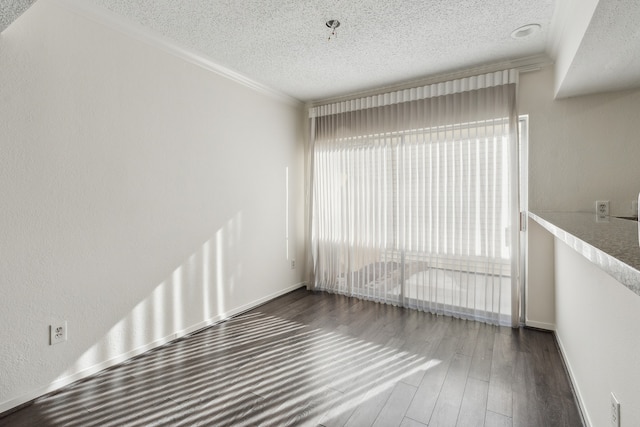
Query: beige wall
{"points": [[142, 197]]}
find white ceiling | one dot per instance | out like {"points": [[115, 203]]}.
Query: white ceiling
{"points": [[608, 57], [284, 44], [10, 10]]}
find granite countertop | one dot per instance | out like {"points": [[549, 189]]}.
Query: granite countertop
{"points": [[610, 243]]}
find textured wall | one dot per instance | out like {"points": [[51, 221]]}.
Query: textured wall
{"points": [[141, 196], [581, 149]]}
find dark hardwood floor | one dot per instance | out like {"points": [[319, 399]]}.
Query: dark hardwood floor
{"points": [[318, 359]]}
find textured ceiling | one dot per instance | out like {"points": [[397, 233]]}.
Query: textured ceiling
{"points": [[283, 43], [10, 10], [608, 57]]}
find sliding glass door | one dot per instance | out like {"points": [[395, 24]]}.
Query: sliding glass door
{"points": [[421, 217]]}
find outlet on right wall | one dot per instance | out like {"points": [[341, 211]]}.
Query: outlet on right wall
{"points": [[581, 149]]}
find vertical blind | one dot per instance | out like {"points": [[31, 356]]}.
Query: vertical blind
{"points": [[413, 198]]}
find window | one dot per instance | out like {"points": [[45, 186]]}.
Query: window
{"points": [[419, 215]]}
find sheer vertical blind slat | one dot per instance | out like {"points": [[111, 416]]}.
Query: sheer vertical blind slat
{"points": [[412, 197]]}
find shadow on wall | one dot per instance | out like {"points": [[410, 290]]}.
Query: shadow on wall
{"points": [[198, 293]]}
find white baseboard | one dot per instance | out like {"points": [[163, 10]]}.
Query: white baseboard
{"points": [[62, 382], [585, 415], [540, 325]]}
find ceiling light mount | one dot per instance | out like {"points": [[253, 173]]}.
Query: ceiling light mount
{"points": [[525, 31], [332, 24]]}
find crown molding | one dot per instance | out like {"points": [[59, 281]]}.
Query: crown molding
{"points": [[125, 26]]}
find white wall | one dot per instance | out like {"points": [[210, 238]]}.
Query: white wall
{"points": [[540, 293], [597, 327], [568, 27], [581, 150], [141, 196]]}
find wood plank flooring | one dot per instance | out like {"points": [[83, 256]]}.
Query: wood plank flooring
{"points": [[315, 359]]}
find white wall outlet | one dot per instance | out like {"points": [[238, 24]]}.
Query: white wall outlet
{"points": [[293, 264], [58, 333], [615, 411], [602, 207]]}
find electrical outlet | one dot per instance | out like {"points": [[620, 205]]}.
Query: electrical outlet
{"points": [[602, 207], [615, 411], [293, 264], [58, 333]]}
